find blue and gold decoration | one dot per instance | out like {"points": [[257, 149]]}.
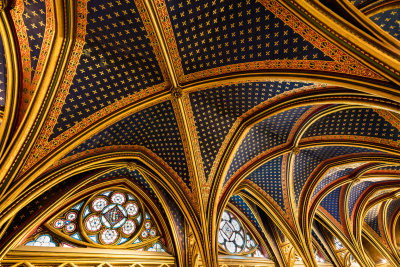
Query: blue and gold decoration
{"points": [[117, 60], [308, 160], [389, 21], [371, 219], [265, 135], [220, 33], [269, 178], [331, 202], [154, 128], [139, 122], [216, 110]]}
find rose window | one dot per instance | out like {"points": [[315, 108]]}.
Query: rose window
{"points": [[234, 238], [108, 218], [112, 218]]}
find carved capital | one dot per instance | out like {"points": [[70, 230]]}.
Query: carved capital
{"points": [[176, 92]]}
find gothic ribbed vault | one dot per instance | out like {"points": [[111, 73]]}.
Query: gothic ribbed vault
{"points": [[276, 121]]}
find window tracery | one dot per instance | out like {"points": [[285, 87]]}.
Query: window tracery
{"points": [[109, 218], [318, 256], [351, 261], [337, 243], [234, 238]]}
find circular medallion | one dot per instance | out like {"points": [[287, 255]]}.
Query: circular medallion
{"points": [[109, 236], [99, 204], [147, 225], [93, 223], [132, 209], [118, 198], [153, 232], [129, 227], [144, 234], [70, 227], [59, 223], [71, 216]]}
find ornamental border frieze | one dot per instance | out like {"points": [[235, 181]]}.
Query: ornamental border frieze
{"points": [[153, 38], [343, 63], [353, 45], [44, 51], [363, 139], [42, 148], [29, 83], [196, 146], [18, 22], [285, 187], [354, 67], [389, 117], [375, 172]]}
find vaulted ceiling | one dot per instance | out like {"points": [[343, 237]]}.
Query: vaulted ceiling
{"points": [[286, 112]]}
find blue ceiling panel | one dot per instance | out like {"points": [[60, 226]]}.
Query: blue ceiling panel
{"points": [[393, 206], [154, 128], [389, 21], [266, 134], [269, 178], [331, 203], [358, 121], [225, 32], [177, 216], [241, 204], [118, 60], [372, 218], [355, 193], [308, 159], [215, 110], [34, 17], [327, 179]]}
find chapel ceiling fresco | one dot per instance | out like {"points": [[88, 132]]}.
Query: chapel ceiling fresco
{"points": [[277, 113]]}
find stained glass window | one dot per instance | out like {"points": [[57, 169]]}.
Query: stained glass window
{"points": [[105, 219], [318, 256], [297, 258], [44, 240], [233, 238], [337, 243], [353, 262]]}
